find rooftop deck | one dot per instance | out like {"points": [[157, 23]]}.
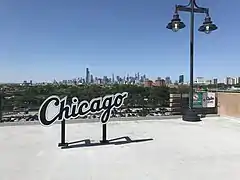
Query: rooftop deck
{"points": [[155, 149]]}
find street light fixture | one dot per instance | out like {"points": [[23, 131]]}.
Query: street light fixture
{"points": [[207, 27], [176, 23]]}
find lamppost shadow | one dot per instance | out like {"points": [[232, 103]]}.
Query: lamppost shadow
{"points": [[116, 141]]}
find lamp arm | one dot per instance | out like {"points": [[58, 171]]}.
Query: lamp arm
{"points": [[195, 4], [188, 3], [206, 9], [176, 6]]}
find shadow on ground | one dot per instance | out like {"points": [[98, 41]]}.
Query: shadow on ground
{"points": [[116, 141]]}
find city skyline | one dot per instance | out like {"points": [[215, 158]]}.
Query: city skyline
{"points": [[137, 78], [89, 76], [130, 74], [46, 40]]}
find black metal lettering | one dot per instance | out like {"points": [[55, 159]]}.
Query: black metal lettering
{"points": [[83, 104], [74, 107], [102, 104], [107, 107], [65, 110], [43, 111], [95, 105], [119, 99]]}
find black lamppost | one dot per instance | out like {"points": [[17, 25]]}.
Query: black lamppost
{"points": [[1, 105], [207, 27]]}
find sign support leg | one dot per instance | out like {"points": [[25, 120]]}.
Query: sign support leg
{"points": [[104, 134], [63, 132]]}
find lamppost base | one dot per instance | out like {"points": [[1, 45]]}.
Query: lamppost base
{"points": [[191, 116], [62, 144]]}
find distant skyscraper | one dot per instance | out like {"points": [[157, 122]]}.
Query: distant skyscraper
{"points": [[144, 77], [105, 79], [228, 80], [238, 81], [215, 81], [118, 78], [181, 79], [92, 79], [113, 79], [87, 76], [168, 80]]}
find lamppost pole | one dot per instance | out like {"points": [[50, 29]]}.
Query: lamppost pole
{"points": [[191, 54], [1, 105], [207, 27]]}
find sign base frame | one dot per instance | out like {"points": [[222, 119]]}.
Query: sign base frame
{"points": [[104, 142], [62, 144]]}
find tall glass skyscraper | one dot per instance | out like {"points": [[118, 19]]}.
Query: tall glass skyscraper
{"points": [[181, 79], [87, 76]]}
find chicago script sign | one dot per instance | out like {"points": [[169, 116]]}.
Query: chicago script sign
{"points": [[56, 109]]}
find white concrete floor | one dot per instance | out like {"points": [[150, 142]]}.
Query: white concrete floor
{"points": [[206, 150]]}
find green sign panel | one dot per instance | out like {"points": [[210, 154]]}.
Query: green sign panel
{"points": [[198, 100], [204, 100]]}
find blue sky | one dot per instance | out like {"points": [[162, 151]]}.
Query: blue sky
{"points": [[47, 39]]}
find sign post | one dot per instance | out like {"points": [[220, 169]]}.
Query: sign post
{"points": [[104, 134], [63, 130], [56, 109]]}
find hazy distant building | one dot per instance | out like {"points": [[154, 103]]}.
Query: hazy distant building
{"points": [[105, 80], [138, 76], [228, 80], [200, 80], [215, 81], [181, 79], [99, 81], [148, 83], [91, 79], [87, 76], [238, 80], [168, 80], [207, 82], [161, 82], [113, 78]]}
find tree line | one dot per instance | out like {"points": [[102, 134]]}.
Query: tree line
{"points": [[16, 96], [32, 96]]}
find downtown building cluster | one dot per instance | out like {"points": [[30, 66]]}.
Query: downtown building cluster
{"points": [[227, 80], [138, 79]]}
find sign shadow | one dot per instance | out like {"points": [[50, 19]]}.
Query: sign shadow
{"points": [[116, 141]]}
